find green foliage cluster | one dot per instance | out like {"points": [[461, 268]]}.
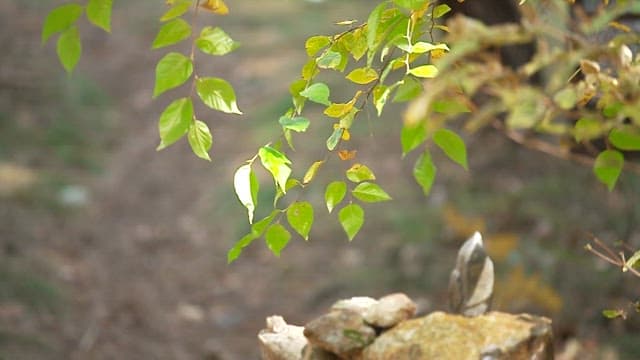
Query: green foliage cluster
{"points": [[590, 114]]}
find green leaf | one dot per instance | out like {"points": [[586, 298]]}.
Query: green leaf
{"points": [[69, 48], [372, 25], [412, 136], [277, 164], [370, 192], [99, 13], [625, 137], [311, 172], [441, 10], [172, 33], [173, 70], [316, 43], [588, 129], [246, 186], [277, 238], [318, 93], [175, 121], [359, 172], [424, 71], [200, 139], [214, 41], [257, 230], [424, 172], [608, 166], [329, 60], [178, 9], [633, 262], [566, 98], [422, 47], [297, 124], [217, 94], [408, 90], [410, 4], [60, 19], [334, 139], [450, 107], [334, 194], [613, 313], [380, 96], [351, 218], [362, 76], [300, 217], [452, 145]]}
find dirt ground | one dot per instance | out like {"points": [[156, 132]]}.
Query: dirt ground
{"points": [[123, 250]]}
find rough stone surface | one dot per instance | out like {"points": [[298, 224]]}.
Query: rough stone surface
{"points": [[342, 332], [314, 353], [359, 304], [390, 310], [281, 341], [446, 336]]}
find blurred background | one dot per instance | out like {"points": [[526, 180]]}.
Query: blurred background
{"points": [[109, 249]]}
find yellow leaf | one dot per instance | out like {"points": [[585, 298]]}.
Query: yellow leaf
{"points": [[620, 26], [346, 135], [437, 54], [340, 110], [346, 22], [215, 6], [362, 75]]}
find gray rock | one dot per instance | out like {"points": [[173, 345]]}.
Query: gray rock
{"points": [[359, 304], [342, 332], [390, 310], [281, 341]]}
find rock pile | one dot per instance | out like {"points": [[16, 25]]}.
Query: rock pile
{"points": [[363, 328]]}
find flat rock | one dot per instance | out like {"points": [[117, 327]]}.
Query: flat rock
{"points": [[281, 341], [390, 310], [359, 304], [439, 335], [342, 332]]}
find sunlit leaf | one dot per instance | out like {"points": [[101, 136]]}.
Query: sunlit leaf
{"points": [[441, 10], [410, 4], [177, 9], [566, 98], [625, 137], [200, 139], [217, 94], [69, 48], [340, 110], [277, 238], [300, 217], [99, 13], [370, 192], [329, 60], [312, 171], [318, 93], [173, 70], [351, 218], [334, 139], [359, 172], [215, 6], [424, 71], [60, 19], [334, 194], [412, 136], [246, 186], [380, 96], [175, 121], [309, 70], [452, 145], [172, 33], [316, 43], [277, 164], [633, 262], [424, 172], [298, 123], [449, 107], [214, 41], [608, 166], [362, 75]]}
